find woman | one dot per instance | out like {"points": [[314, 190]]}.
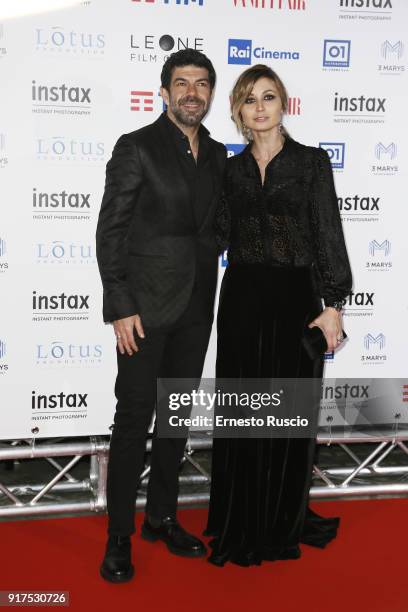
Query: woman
{"points": [[286, 252]]}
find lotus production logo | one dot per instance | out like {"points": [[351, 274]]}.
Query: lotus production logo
{"points": [[63, 253], [65, 149], [57, 353], [61, 42]]}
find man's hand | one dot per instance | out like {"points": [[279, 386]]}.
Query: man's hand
{"points": [[124, 331], [330, 324]]}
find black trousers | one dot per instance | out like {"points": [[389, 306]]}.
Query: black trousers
{"points": [[177, 351]]}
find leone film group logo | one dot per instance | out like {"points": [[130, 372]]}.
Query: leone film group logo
{"points": [[60, 307], [380, 256], [63, 354], [4, 366], [152, 48], [374, 345], [61, 205], [58, 41], [61, 99], [67, 149], [356, 208], [386, 156], [59, 253], [366, 10], [392, 54]]}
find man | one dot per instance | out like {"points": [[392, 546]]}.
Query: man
{"points": [[158, 262]]}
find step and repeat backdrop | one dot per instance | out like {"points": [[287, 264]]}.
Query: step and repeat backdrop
{"points": [[74, 79]]}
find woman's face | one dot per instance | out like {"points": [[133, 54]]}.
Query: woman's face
{"points": [[262, 110]]}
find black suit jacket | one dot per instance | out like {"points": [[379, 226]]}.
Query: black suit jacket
{"points": [[149, 246]]}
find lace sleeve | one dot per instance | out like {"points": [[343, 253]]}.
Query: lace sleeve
{"points": [[329, 245]]}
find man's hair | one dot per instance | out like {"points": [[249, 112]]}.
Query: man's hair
{"points": [[186, 57]]}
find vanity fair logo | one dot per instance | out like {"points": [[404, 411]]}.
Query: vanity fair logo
{"points": [[61, 205], [336, 55], [367, 10], [386, 155], [58, 42], [60, 307], [60, 99], [67, 149], [152, 48], [336, 152], [63, 253], [62, 354], [4, 366], [392, 55], [242, 51], [359, 304], [373, 347], [359, 208], [4, 264], [280, 5], [172, 2], [380, 256]]}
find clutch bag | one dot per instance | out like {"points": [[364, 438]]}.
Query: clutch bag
{"points": [[314, 342]]}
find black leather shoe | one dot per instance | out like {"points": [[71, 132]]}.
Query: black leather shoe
{"points": [[116, 565], [177, 540]]}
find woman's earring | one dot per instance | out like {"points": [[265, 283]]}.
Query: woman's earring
{"points": [[280, 127]]}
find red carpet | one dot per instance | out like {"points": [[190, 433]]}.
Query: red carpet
{"points": [[364, 569]]}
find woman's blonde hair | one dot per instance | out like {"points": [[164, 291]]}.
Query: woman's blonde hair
{"points": [[242, 90]]}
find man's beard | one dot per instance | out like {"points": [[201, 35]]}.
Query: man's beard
{"points": [[186, 117]]}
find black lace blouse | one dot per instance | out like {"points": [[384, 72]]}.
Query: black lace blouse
{"points": [[291, 220]]}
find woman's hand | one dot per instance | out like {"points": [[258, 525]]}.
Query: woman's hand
{"points": [[330, 324]]}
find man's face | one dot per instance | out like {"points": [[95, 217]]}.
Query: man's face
{"points": [[189, 96]]}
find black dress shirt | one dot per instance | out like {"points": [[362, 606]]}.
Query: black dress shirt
{"points": [[291, 220]]}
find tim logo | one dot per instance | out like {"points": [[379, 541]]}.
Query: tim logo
{"points": [[336, 53], [234, 149], [141, 100], [336, 153], [2, 247], [239, 51], [2, 349], [375, 246], [370, 341], [389, 50], [383, 151]]}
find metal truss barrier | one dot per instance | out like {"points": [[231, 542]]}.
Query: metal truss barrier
{"points": [[337, 482]]}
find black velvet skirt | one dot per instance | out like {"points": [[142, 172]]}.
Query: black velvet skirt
{"points": [[260, 487]]}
